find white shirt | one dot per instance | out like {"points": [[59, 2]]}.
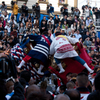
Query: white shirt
{"points": [[77, 36], [8, 28], [86, 12], [61, 47]]}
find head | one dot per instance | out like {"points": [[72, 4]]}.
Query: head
{"points": [[73, 94], [62, 89], [82, 26], [65, 16], [97, 39], [97, 81], [82, 80], [3, 3], [70, 85], [62, 97], [88, 18], [87, 33], [37, 4], [89, 8], [65, 22], [82, 17], [34, 89], [56, 16], [43, 22], [49, 32], [24, 4], [43, 85], [25, 75], [44, 17]]}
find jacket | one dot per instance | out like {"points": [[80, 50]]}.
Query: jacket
{"points": [[15, 9]]}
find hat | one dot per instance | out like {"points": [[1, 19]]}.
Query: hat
{"points": [[58, 33], [63, 29]]}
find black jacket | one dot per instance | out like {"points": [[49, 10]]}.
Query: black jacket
{"points": [[18, 91]]}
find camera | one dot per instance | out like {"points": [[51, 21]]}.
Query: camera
{"points": [[34, 6], [7, 68], [12, 3]]}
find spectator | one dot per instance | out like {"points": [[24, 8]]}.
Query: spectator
{"points": [[51, 10], [65, 24], [62, 11], [44, 19], [88, 21], [74, 26], [5, 16], [73, 94], [97, 44], [65, 10], [86, 11], [59, 24], [64, 19], [70, 21], [62, 96], [87, 42], [77, 12], [14, 32], [23, 19], [37, 10], [21, 28], [70, 85], [90, 13], [50, 26], [43, 27], [3, 7], [24, 9], [77, 34], [96, 94], [82, 31], [51, 19], [56, 20], [82, 83], [82, 19]]}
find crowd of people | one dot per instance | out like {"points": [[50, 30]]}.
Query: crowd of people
{"points": [[80, 86]]}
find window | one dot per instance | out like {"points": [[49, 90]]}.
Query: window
{"points": [[62, 2], [43, 1]]}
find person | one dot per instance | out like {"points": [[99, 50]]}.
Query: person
{"points": [[15, 9], [90, 13], [24, 9], [37, 10], [62, 97], [88, 21], [73, 94], [77, 12], [39, 52], [77, 34], [51, 10], [62, 89], [86, 11], [62, 11], [3, 7], [61, 48], [96, 94], [56, 20], [87, 42], [82, 83], [97, 44]]}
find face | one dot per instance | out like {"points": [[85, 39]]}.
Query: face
{"points": [[97, 39], [64, 22]]}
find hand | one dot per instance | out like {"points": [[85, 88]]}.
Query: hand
{"points": [[3, 55]]}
